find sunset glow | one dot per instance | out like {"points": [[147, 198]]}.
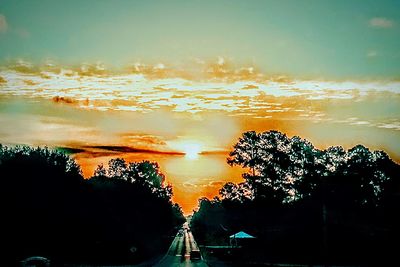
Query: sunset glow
{"points": [[180, 84], [191, 150], [146, 115]]}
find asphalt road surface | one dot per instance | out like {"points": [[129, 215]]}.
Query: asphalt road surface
{"points": [[176, 255]]}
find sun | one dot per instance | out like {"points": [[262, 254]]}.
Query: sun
{"points": [[191, 150]]}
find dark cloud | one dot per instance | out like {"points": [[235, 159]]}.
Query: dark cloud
{"points": [[127, 149], [70, 150], [66, 100], [105, 150]]}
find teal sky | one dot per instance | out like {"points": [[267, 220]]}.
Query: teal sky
{"points": [[323, 39]]}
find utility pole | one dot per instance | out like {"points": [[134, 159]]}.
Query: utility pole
{"points": [[324, 223]]}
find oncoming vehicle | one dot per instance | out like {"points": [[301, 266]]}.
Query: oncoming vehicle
{"points": [[35, 262], [194, 249]]}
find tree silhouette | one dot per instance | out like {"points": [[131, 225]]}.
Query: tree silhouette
{"points": [[100, 171], [146, 174], [319, 201], [117, 168], [245, 152], [281, 168], [49, 209], [365, 174], [236, 192]]}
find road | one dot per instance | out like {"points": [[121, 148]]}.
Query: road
{"points": [[176, 255]]}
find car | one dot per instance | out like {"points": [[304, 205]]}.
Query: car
{"points": [[35, 261]]}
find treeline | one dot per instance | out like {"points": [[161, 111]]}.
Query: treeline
{"points": [[123, 214], [305, 204]]}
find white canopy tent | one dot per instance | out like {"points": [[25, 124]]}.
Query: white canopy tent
{"points": [[233, 239], [241, 235]]}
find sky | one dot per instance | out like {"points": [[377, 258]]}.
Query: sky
{"points": [[177, 82], [333, 39]]}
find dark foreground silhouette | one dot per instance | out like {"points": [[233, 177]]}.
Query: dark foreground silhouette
{"points": [[123, 214], [303, 205]]}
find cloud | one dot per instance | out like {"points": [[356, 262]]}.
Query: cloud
{"points": [[380, 22], [144, 139], [3, 24], [394, 126], [372, 53], [134, 95], [215, 184], [22, 33], [61, 99], [70, 150], [94, 151], [189, 185], [127, 149], [221, 61]]}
